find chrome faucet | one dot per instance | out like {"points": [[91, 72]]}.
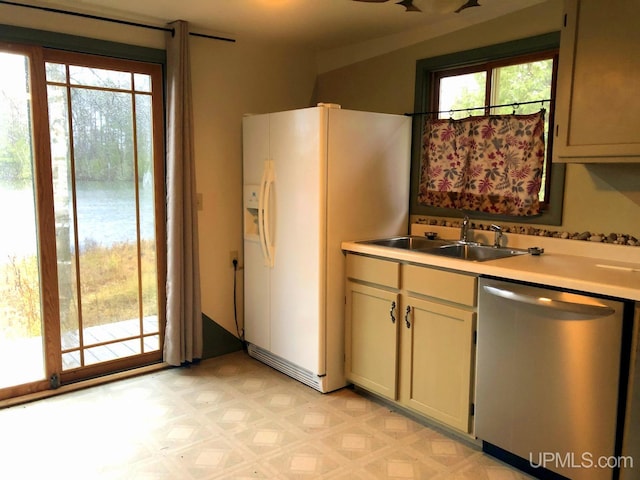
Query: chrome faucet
{"points": [[464, 229], [497, 241]]}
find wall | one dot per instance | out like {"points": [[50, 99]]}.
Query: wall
{"points": [[600, 199], [229, 80]]}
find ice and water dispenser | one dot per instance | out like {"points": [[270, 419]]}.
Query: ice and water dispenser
{"points": [[251, 195]]}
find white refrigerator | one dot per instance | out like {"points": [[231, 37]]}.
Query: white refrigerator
{"points": [[313, 178]]}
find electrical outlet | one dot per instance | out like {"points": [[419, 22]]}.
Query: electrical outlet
{"points": [[233, 255]]}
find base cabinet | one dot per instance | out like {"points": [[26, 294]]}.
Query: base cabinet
{"points": [[410, 336], [371, 327], [437, 345], [372, 338]]}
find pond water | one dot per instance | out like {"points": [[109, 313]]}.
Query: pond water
{"points": [[106, 215]]}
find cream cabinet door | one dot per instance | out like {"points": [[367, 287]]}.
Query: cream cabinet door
{"points": [[597, 105], [437, 361], [371, 334]]}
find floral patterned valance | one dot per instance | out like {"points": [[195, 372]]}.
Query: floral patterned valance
{"points": [[487, 164]]}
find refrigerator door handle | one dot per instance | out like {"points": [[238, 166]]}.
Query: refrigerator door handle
{"points": [[267, 213], [261, 213]]}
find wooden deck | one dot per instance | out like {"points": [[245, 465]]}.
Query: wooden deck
{"points": [[110, 342], [23, 357]]}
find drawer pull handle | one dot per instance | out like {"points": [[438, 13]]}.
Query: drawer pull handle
{"points": [[406, 317], [391, 312]]}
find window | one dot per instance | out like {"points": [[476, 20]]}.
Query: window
{"points": [[522, 84], [519, 75]]}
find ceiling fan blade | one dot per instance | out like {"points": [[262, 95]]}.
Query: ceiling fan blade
{"points": [[408, 5], [468, 4]]}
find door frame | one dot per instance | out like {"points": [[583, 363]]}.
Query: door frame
{"points": [[46, 230]]}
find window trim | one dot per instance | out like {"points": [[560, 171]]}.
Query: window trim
{"points": [[423, 93], [78, 44]]}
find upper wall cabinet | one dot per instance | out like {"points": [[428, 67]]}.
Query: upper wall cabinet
{"points": [[597, 101]]}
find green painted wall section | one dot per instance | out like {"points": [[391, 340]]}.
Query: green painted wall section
{"points": [[216, 340], [61, 41]]}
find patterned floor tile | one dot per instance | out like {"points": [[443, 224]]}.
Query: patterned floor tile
{"points": [[303, 462], [483, 467], [181, 432], [350, 403], [268, 436], [314, 418], [398, 464], [229, 417], [209, 458], [284, 399], [247, 472], [354, 442], [394, 425], [235, 415], [436, 446]]}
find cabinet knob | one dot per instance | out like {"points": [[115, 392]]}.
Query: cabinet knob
{"points": [[406, 317], [392, 311]]}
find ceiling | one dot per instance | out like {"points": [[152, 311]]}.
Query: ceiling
{"points": [[315, 24]]}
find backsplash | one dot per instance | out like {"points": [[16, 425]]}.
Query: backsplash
{"points": [[611, 238]]}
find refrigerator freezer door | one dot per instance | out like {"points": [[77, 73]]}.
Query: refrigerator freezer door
{"points": [[256, 287], [255, 147]]}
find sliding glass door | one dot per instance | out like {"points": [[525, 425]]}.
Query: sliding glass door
{"points": [[101, 123], [100, 164]]}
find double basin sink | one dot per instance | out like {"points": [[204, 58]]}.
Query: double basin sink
{"points": [[471, 251]]}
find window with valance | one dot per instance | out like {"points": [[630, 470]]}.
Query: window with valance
{"points": [[480, 110]]}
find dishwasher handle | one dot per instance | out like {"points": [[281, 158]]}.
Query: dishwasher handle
{"points": [[590, 309]]}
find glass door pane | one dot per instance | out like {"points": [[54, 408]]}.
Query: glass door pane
{"points": [[102, 158], [21, 328]]}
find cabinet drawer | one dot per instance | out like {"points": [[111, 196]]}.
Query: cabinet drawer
{"points": [[449, 286], [373, 270]]}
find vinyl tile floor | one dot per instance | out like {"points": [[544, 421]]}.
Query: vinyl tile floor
{"points": [[229, 417]]}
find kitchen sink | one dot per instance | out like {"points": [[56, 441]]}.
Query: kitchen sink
{"points": [[409, 242], [474, 252]]}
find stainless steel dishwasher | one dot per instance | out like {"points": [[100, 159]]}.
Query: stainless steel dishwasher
{"points": [[548, 367]]}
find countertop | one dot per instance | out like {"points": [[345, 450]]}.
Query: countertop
{"points": [[613, 271]]}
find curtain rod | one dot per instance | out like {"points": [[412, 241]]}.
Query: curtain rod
{"points": [[484, 107], [113, 20]]}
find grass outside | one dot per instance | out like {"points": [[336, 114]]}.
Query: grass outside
{"points": [[109, 289]]}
